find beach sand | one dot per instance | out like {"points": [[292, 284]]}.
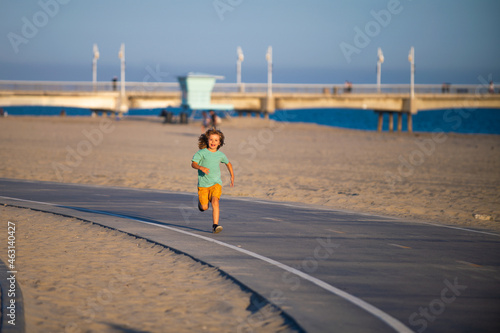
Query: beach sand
{"points": [[438, 178]]}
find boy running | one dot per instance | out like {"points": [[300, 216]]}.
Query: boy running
{"points": [[206, 161]]}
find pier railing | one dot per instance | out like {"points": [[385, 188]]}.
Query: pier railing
{"points": [[77, 86], [354, 89], [289, 88]]}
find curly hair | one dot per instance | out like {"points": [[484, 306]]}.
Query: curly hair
{"points": [[203, 139]]}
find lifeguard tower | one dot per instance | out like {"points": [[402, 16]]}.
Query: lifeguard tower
{"points": [[196, 93]]}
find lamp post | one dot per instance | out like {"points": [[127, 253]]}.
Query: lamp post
{"points": [[269, 58], [411, 59], [121, 55], [94, 67], [379, 67], [270, 100], [238, 65], [239, 60]]}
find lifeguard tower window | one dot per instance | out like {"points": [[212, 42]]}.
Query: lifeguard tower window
{"points": [[196, 93]]}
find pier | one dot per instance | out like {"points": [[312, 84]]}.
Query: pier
{"points": [[248, 98]]}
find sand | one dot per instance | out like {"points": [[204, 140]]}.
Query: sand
{"points": [[440, 178]]}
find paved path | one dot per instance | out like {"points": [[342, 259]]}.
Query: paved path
{"points": [[332, 271]]}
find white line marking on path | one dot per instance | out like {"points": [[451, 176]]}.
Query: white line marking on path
{"points": [[386, 318], [468, 263], [271, 218], [336, 231], [400, 246]]}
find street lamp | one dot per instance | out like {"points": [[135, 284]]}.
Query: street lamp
{"points": [[238, 65], [411, 59], [94, 67], [270, 100], [121, 55], [379, 67], [269, 58]]}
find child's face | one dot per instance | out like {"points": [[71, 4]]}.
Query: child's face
{"points": [[213, 142]]}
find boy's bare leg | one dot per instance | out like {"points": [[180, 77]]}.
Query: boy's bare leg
{"points": [[202, 207], [215, 210]]}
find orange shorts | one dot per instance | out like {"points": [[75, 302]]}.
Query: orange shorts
{"points": [[205, 194]]}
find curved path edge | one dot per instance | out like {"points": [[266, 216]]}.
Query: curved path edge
{"points": [[258, 300]]}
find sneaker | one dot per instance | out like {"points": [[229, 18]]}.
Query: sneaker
{"points": [[216, 228]]}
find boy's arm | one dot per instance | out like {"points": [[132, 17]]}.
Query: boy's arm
{"points": [[230, 169], [196, 166]]}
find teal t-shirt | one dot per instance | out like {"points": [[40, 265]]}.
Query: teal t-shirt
{"points": [[212, 161]]}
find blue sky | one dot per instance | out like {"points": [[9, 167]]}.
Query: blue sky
{"points": [[316, 41]]}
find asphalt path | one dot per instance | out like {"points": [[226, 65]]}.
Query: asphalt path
{"points": [[330, 270]]}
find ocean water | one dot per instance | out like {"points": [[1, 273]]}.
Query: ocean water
{"points": [[470, 121]]}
